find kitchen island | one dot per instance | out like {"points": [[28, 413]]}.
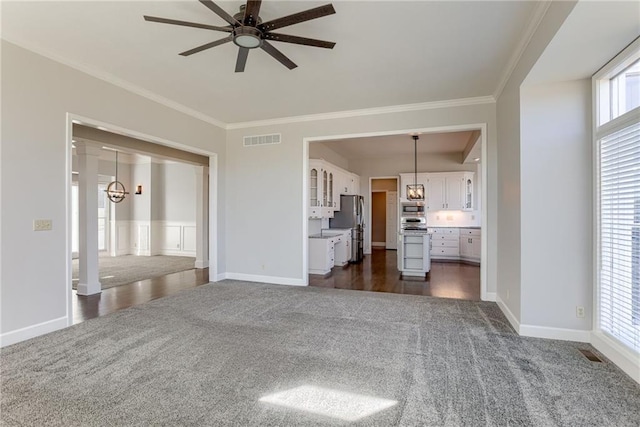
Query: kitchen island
{"points": [[414, 253]]}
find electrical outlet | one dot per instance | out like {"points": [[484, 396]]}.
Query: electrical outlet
{"points": [[263, 266], [473, 217], [449, 217], [438, 217], [580, 312], [42, 225]]}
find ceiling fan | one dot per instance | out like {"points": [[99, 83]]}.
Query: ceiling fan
{"points": [[247, 31]]}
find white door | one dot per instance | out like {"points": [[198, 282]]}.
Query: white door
{"points": [[392, 220]]}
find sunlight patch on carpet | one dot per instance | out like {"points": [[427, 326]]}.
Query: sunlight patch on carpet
{"points": [[328, 402]]}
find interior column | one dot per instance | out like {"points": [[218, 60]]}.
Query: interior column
{"points": [[202, 217], [88, 157]]}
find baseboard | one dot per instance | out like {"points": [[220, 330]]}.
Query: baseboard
{"points": [[266, 279], [490, 296], [562, 334], [220, 277], [202, 264], [624, 358], [379, 244], [508, 314], [169, 252], [23, 334]]}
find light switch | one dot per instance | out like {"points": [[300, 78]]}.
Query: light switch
{"points": [[42, 225]]}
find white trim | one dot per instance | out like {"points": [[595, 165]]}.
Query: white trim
{"points": [[201, 264], [33, 331], [508, 314], [266, 279], [624, 358], [490, 296], [538, 13], [534, 331], [484, 221], [462, 102], [110, 78], [219, 277]]}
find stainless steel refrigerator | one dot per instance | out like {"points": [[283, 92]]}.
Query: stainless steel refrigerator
{"points": [[351, 215]]}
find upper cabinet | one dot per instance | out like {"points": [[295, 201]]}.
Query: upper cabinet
{"points": [[443, 190], [326, 183]]}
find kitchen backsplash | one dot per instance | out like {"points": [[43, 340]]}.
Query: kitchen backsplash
{"points": [[453, 219], [315, 225]]}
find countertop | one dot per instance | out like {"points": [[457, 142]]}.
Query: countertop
{"points": [[454, 226]]}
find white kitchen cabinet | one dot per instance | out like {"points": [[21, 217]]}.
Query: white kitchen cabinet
{"points": [[470, 244], [326, 183], [321, 255], [410, 179], [414, 257], [321, 189], [445, 243], [448, 191]]}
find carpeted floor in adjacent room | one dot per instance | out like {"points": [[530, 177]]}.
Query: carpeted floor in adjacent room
{"points": [[236, 353], [121, 270]]}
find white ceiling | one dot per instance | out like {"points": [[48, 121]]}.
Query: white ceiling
{"points": [[387, 52], [381, 147]]}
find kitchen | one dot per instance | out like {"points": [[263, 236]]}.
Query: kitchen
{"points": [[423, 196]]}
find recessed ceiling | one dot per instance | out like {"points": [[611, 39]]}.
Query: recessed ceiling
{"points": [[386, 53], [381, 147]]}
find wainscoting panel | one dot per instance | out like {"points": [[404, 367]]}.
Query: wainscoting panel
{"points": [[177, 238], [189, 239]]}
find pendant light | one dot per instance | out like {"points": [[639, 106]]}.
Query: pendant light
{"points": [[415, 191], [115, 190]]}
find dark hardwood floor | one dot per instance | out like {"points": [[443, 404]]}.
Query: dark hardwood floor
{"points": [[112, 299], [379, 273]]}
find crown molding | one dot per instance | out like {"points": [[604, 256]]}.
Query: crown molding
{"points": [[538, 13], [462, 102], [109, 78]]}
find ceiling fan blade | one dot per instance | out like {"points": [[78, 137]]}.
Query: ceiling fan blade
{"points": [[206, 46], [219, 11], [299, 40], [279, 56], [296, 18], [243, 52], [186, 24], [251, 12]]}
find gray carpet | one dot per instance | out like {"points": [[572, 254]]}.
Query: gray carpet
{"points": [[121, 270], [207, 356]]}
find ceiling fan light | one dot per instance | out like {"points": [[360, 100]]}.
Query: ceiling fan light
{"points": [[247, 37]]}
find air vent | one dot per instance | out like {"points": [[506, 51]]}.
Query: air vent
{"points": [[590, 355], [251, 141]]}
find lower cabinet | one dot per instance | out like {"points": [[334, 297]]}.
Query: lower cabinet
{"points": [[321, 255], [470, 244], [414, 258], [445, 244]]}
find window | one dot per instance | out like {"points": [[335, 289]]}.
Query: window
{"points": [[617, 143]]}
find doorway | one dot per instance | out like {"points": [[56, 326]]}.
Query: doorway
{"points": [[118, 233], [460, 155], [384, 213]]}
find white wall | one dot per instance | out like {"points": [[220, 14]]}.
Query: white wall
{"points": [[509, 254], [318, 150], [180, 192], [556, 211], [273, 176], [37, 93]]}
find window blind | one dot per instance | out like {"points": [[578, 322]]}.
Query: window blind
{"points": [[619, 234]]}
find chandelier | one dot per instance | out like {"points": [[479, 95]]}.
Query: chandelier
{"points": [[115, 190]]}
